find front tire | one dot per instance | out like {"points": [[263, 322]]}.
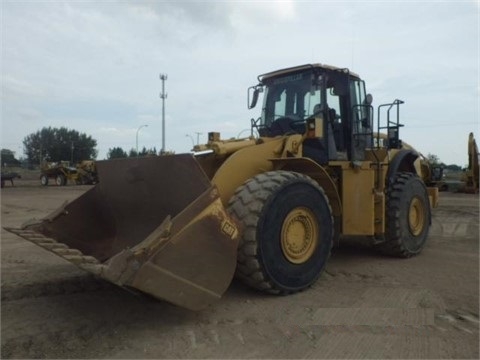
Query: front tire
{"points": [[288, 231], [408, 216], [44, 180]]}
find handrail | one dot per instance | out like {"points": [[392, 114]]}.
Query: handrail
{"points": [[392, 126]]}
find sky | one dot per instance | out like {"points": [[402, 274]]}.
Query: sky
{"points": [[94, 66]]}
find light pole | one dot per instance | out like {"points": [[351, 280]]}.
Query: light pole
{"points": [[163, 96], [142, 126], [71, 157], [191, 138], [198, 137]]}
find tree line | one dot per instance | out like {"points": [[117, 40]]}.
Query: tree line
{"points": [[62, 144], [118, 153], [434, 160]]}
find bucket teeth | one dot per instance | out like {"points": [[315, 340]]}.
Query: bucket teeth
{"points": [[52, 246], [41, 240], [67, 251], [73, 255], [90, 260], [76, 259]]}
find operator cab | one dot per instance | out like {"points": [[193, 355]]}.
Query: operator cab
{"points": [[335, 98]]}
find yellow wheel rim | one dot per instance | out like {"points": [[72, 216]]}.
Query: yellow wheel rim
{"points": [[299, 234], [416, 216]]}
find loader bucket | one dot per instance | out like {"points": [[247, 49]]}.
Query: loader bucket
{"points": [[155, 224]]}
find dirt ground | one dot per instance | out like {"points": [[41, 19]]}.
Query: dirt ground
{"points": [[364, 305]]}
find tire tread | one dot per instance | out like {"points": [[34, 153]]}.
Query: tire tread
{"points": [[395, 246], [246, 205]]}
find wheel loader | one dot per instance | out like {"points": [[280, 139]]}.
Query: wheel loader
{"points": [[266, 208]]}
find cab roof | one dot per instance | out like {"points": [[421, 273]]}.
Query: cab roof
{"points": [[293, 69]]}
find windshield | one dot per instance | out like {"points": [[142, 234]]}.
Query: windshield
{"points": [[293, 96]]}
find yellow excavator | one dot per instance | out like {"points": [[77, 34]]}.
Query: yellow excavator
{"points": [[267, 208], [471, 174]]}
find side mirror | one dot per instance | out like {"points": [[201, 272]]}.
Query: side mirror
{"points": [[369, 99], [256, 91]]}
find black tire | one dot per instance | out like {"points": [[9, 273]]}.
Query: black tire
{"points": [[60, 180], [81, 180], [272, 256], [408, 216], [3, 184], [44, 180]]}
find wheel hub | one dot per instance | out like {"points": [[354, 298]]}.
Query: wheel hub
{"points": [[299, 236], [416, 217]]}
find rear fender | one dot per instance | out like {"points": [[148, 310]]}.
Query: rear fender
{"points": [[405, 161]]}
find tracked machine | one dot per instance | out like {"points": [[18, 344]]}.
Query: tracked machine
{"points": [[266, 208]]}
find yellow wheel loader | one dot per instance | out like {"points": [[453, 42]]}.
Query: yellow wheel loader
{"points": [[266, 208]]}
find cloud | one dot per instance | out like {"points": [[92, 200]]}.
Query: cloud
{"points": [[12, 86], [263, 13], [94, 66]]}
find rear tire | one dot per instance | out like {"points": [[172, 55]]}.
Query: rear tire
{"points": [[287, 231], [60, 180], [44, 180], [408, 216]]}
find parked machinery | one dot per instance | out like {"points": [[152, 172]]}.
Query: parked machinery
{"points": [[87, 173], [84, 173], [470, 177], [60, 172]]}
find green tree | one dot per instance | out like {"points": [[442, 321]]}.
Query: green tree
{"points": [[116, 153], [59, 144], [8, 158], [453, 167], [132, 153], [433, 159], [143, 152]]}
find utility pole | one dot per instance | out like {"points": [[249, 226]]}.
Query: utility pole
{"points": [[163, 96]]}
